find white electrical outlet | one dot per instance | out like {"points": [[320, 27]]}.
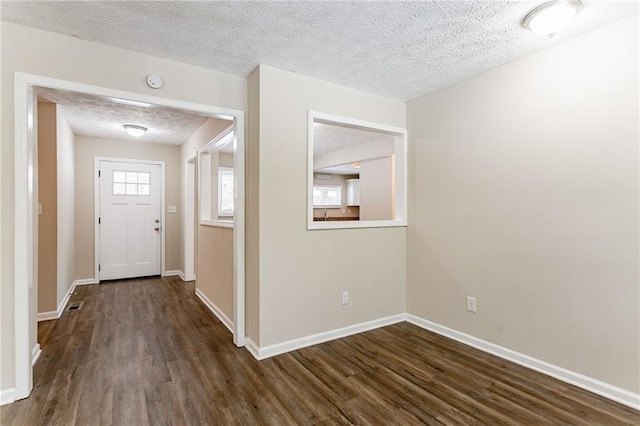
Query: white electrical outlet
{"points": [[345, 297], [471, 304]]}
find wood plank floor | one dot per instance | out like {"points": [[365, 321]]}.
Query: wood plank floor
{"points": [[146, 351]]}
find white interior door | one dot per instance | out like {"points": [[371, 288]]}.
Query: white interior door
{"points": [[130, 219]]}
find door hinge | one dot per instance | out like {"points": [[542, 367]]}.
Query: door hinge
{"points": [[98, 267], [99, 221], [99, 172]]}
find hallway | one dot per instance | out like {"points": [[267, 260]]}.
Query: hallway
{"points": [[147, 351]]}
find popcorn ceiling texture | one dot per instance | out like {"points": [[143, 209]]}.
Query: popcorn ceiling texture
{"points": [[330, 138], [97, 117], [397, 49]]}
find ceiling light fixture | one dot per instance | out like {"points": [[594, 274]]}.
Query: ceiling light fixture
{"points": [[134, 130], [551, 18]]}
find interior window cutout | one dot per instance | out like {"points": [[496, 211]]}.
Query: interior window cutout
{"points": [[356, 174], [216, 180]]}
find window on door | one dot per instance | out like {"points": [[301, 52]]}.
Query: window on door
{"points": [[130, 183]]}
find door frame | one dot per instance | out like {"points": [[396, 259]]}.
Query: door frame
{"points": [[96, 209], [25, 211], [189, 220]]}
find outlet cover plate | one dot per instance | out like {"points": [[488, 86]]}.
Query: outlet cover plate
{"points": [[471, 304]]}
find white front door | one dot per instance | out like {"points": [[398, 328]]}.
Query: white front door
{"points": [[130, 219]]}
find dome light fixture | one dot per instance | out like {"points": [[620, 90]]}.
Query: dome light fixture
{"points": [[134, 130], [550, 18]]}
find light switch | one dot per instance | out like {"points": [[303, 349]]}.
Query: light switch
{"points": [[172, 209]]}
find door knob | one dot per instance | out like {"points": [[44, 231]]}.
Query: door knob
{"points": [[157, 228]]}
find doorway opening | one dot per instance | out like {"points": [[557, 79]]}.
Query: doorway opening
{"points": [[26, 189]]}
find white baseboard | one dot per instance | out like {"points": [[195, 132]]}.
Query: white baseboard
{"points": [[46, 316], [7, 396], [216, 311], [606, 390], [35, 354], [66, 299], [252, 348], [261, 353], [174, 274], [85, 281]]}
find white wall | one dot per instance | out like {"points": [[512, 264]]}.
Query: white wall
{"points": [[53, 55], [524, 194], [66, 200], [302, 273]]}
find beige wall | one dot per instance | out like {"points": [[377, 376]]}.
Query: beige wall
{"points": [[214, 254], [66, 204], [188, 150], [86, 150], [48, 197], [295, 300], [377, 189], [54, 55], [225, 159], [56, 260], [524, 194], [215, 267]]}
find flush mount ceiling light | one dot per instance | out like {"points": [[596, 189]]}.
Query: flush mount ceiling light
{"points": [[551, 18], [134, 130]]}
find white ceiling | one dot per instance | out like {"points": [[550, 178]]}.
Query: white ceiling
{"points": [[330, 138], [396, 49], [344, 169], [97, 117]]}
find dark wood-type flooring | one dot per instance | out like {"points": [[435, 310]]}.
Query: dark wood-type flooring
{"points": [[147, 351]]}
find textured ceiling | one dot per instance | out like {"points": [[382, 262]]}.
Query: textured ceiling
{"points": [[396, 49], [330, 138], [97, 117], [344, 169]]}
